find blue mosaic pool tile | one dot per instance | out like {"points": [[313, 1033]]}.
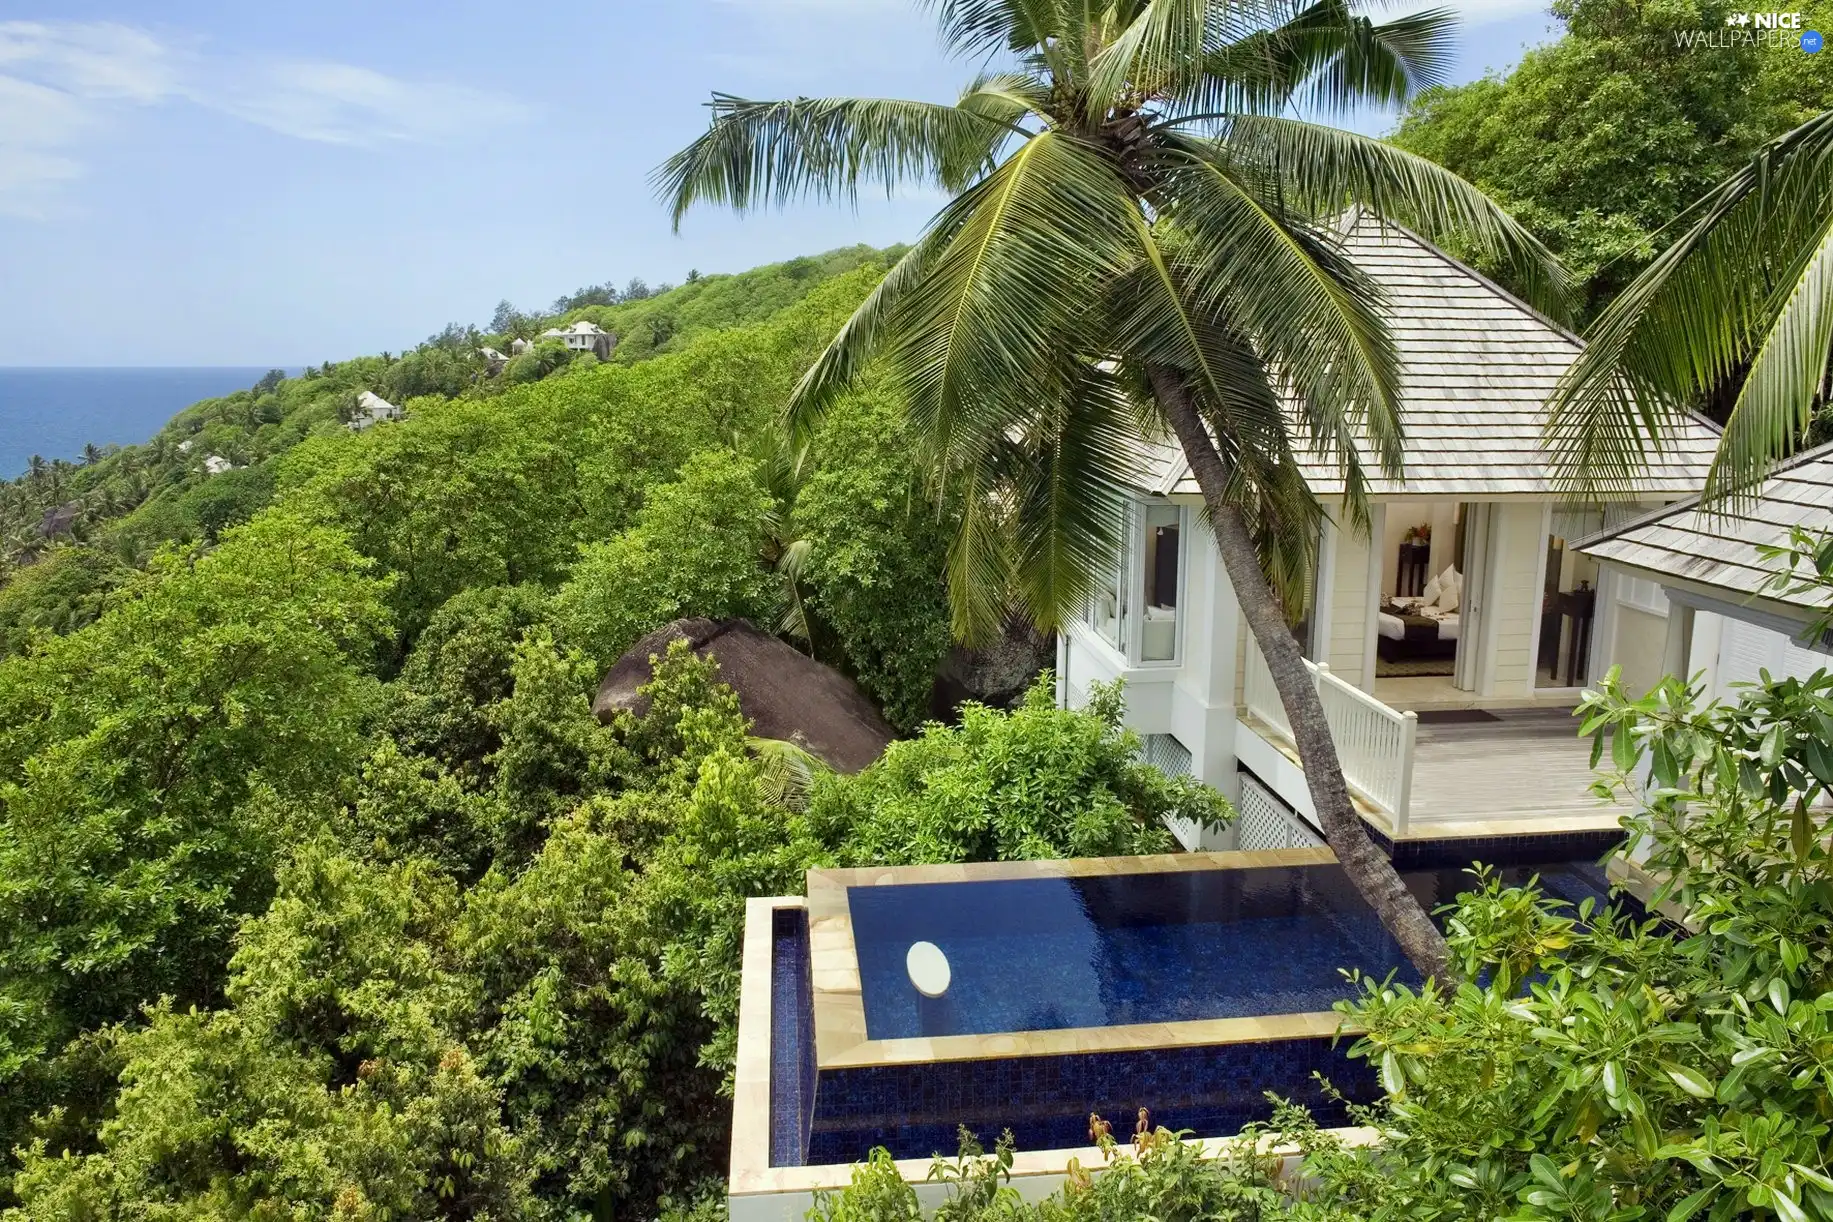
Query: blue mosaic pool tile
{"points": [[913, 1110], [792, 1032], [1498, 850]]}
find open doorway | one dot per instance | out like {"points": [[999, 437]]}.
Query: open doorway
{"points": [[1419, 622], [1568, 600]]}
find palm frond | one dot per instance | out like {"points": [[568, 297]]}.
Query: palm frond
{"points": [[786, 771], [1030, 244], [1325, 170], [1163, 49], [792, 618], [1323, 55], [980, 563], [847, 355], [1353, 61], [1311, 314], [989, 27], [758, 154], [1697, 316], [1788, 376], [1069, 492]]}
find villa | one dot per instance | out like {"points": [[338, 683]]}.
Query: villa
{"points": [[1723, 622], [1449, 642], [371, 409], [583, 336]]}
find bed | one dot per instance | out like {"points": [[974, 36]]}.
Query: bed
{"points": [[1403, 633]]}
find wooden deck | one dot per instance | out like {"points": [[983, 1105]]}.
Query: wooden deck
{"points": [[1503, 772], [1526, 766]]}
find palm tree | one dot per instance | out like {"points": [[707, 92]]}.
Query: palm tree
{"points": [[1739, 307], [1137, 241]]}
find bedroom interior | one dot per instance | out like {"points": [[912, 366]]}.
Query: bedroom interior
{"points": [[1418, 622]]}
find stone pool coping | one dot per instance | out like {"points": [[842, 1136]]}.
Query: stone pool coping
{"points": [[839, 1004], [758, 1192]]}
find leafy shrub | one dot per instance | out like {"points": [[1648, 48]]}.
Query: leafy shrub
{"points": [[1037, 782], [1593, 1066]]}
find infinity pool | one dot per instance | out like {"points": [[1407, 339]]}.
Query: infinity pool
{"points": [[1040, 954], [1190, 984]]}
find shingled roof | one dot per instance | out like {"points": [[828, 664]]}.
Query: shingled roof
{"points": [[1718, 551], [1476, 368]]}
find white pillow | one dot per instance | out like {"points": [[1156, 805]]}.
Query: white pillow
{"points": [[1448, 601], [1449, 577], [1433, 590]]}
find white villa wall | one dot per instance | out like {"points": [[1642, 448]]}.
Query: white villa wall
{"points": [[1193, 701], [1639, 647], [1515, 567], [1352, 602]]}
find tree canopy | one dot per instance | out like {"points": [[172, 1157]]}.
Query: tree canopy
{"points": [[1598, 139]]}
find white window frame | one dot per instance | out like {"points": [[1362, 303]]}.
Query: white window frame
{"points": [[1133, 620]]}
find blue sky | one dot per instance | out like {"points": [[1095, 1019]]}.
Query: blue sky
{"points": [[201, 182]]}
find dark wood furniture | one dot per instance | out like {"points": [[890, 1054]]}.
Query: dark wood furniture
{"points": [[1576, 607], [1410, 577]]}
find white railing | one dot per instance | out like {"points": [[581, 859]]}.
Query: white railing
{"points": [[1374, 742]]}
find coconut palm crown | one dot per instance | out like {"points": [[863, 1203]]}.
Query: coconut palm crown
{"points": [[1138, 243], [1744, 294]]}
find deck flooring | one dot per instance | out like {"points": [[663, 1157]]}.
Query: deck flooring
{"points": [[1525, 773], [1527, 764]]}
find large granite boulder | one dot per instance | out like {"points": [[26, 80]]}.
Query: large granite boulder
{"points": [[785, 693]]}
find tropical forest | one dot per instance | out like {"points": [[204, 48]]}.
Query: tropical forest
{"points": [[335, 884]]}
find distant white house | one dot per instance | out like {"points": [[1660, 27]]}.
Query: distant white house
{"points": [[584, 336], [1701, 573], [492, 355], [216, 464], [372, 409], [518, 346]]}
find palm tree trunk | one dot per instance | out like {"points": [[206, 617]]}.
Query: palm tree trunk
{"points": [[1367, 866]]}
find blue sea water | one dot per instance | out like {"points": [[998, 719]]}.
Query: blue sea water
{"points": [[53, 412]]}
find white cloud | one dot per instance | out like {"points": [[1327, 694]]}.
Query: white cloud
{"points": [[63, 82], [344, 104]]}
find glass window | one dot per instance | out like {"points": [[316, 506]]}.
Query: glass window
{"points": [[1106, 612], [1150, 569], [1163, 559]]}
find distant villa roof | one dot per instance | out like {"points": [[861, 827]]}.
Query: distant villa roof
{"points": [[1718, 550], [374, 409], [1477, 366]]}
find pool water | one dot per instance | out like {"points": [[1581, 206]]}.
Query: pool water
{"points": [[1041, 954], [1037, 954]]}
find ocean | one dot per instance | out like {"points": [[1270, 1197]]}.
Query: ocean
{"points": [[54, 412]]}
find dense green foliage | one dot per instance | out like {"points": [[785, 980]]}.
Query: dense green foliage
{"points": [[322, 891], [128, 501], [551, 1041], [1597, 140]]}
